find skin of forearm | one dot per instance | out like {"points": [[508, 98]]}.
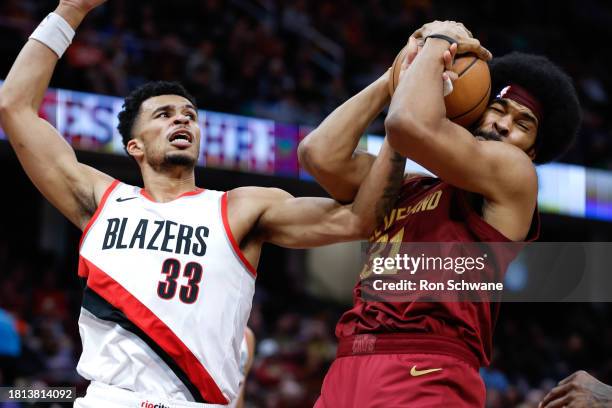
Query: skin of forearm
{"points": [[333, 142], [418, 97], [29, 77], [379, 191], [328, 151], [339, 134]]}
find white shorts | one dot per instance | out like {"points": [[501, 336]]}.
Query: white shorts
{"points": [[106, 396]]}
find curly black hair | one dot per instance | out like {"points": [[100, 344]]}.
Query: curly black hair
{"points": [[132, 102], [554, 89]]}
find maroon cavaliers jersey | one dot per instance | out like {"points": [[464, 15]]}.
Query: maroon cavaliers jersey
{"points": [[430, 210]]}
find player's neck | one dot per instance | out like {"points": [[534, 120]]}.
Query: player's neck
{"points": [[168, 185]]}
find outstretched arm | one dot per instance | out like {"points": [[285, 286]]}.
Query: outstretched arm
{"points": [[46, 157], [308, 221]]}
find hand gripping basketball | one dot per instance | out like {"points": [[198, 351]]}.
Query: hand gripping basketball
{"points": [[405, 57], [471, 86], [466, 43]]}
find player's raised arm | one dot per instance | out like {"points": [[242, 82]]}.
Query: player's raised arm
{"points": [[308, 221], [46, 157], [328, 152]]}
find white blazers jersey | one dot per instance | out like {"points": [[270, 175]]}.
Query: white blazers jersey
{"points": [[167, 297]]}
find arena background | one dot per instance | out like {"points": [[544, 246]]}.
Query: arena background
{"points": [[282, 66]]}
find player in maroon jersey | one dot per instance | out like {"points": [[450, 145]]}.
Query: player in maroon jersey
{"points": [[426, 354]]}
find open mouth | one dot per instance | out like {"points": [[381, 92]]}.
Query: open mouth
{"points": [[180, 138]]}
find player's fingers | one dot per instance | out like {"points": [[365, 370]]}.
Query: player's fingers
{"points": [[448, 60], [465, 28], [571, 377], [452, 75], [412, 51], [472, 45], [449, 56], [564, 401], [557, 392], [453, 50]]}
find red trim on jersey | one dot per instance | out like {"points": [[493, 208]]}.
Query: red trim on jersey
{"points": [[138, 313], [83, 272], [230, 236], [98, 210], [146, 195]]}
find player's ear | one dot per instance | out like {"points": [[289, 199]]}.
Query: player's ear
{"points": [[134, 147]]}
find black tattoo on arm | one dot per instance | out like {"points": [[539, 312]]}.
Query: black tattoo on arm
{"points": [[391, 191]]}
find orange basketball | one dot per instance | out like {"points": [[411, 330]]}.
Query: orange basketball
{"points": [[471, 90]]}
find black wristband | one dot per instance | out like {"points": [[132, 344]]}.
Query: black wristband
{"points": [[450, 40]]}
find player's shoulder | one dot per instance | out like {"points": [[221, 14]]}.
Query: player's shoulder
{"points": [[512, 173], [506, 156], [255, 200], [513, 168], [256, 193]]}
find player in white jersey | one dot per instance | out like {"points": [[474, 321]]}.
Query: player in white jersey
{"points": [[169, 268]]}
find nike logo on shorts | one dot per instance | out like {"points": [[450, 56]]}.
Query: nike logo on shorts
{"points": [[121, 199], [416, 373]]}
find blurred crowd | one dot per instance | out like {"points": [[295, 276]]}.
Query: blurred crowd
{"points": [[294, 61], [535, 344]]}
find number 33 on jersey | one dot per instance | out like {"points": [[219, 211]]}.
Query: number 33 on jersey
{"points": [[159, 276]]}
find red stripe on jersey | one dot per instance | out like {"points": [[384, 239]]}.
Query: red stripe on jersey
{"points": [[230, 236], [109, 189], [115, 294], [83, 271]]}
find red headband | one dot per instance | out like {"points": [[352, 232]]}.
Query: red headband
{"points": [[522, 96]]}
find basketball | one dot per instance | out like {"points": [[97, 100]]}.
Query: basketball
{"points": [[471, 90]]}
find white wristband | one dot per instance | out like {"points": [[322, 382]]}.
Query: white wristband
{"points": [[55, 33]]}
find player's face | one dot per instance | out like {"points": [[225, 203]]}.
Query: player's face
{"points": [[167, 131], [510, 122]]}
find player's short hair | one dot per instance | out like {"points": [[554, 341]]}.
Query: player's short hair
{"points": [[132, 102], [555, 91]]}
